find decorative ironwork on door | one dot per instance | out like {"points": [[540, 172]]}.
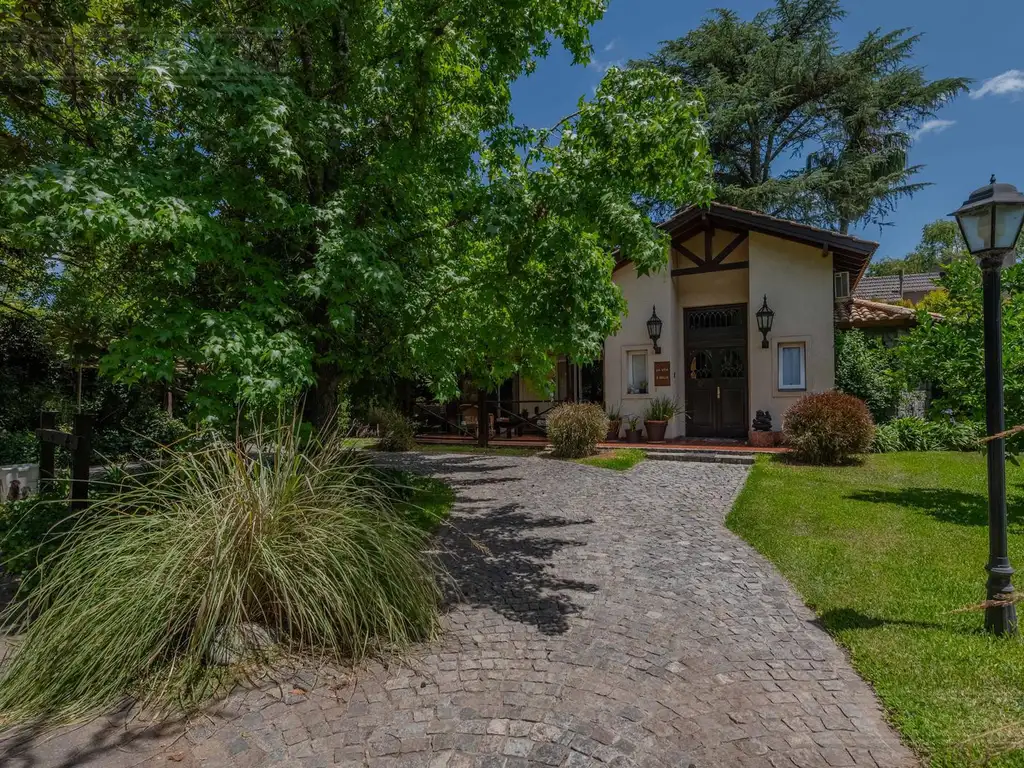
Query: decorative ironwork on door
{"points": [[714, 317], [700, 365], [732, 365]]}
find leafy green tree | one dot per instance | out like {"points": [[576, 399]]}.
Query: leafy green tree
{"points": [[779, 88], [289, 196], [941, 243], [950, 354], [865, 369]]}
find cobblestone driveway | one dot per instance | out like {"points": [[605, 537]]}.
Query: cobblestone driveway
{"points": [[602, 617]]}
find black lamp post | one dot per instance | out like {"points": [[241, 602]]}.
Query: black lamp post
{"points": [[990, 221], [765, 317], [654, 329]]}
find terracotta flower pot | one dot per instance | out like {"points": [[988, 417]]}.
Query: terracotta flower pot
{"points": [[613, 429], [656, 431], [634, 435], [761, 439]]}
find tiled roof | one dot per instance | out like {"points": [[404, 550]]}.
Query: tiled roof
{"points": [[861, 313], [888, 287]]}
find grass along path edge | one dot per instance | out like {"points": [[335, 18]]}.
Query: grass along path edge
{"points": [[886, 553], [621, 459]]}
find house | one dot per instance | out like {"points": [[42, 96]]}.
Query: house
{"points": [[891, 288], [725, 264]]}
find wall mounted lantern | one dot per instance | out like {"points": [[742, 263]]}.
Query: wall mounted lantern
{"points": [[991, 220], [654, 329], [765, 317]]}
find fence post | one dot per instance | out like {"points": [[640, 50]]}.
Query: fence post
{"points": [[47, 420], [80, 460]]}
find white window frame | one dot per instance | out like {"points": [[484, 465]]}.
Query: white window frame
{"points": [[841, 284], [802, 346], [627, 359]]}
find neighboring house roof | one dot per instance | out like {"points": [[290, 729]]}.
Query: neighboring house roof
{"points": [[855, 312], [895, 287], [850, 254]]}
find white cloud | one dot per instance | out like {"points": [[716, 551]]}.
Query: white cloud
{"points": [[933, 126], [609, 46], [1011, 81]]}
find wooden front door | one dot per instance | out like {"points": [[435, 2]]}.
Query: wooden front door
{"points": [[715, 339]]}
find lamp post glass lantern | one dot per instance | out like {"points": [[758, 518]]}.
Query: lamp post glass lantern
{"points": [[765, 317], [654, 329], [990, 220]]}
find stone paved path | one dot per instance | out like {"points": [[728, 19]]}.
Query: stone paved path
{"points": [[603, 617]]}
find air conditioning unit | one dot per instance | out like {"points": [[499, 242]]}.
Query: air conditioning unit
{"points": [[841, 284]]}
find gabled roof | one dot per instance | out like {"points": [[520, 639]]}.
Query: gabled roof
{"points": [[894, 287], [855, 312], [850, 254]]}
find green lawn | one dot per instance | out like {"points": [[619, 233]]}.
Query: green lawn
{"points": [[359, 442], [426, 500], [886, 553], [622, 459]]}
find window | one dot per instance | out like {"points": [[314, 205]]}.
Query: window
{"points": [[636, 373], [841, 282], [792, 368]]}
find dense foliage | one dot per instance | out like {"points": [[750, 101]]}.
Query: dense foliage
{"points": [[828, 428], [575, 429], [18, 446], [304, 548], [913, 434], [865, 369], [950, 354], [780, 87], [31, 530], [941, 243], [276, 198]]}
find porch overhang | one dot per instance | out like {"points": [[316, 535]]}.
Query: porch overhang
{"points": [[850, 254]]}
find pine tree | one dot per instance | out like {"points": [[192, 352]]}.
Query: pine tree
{"points": [[799, 127]]}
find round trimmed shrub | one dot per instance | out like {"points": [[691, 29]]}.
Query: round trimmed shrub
{"points": [[829, 428], [575, 429]]}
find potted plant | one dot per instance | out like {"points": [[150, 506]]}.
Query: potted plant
{"points": [[660, 411], [633, 432], [614, 422], [761, 436]]}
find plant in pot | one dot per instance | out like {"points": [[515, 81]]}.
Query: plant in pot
{"points": [[761, 435], [660, 411], [614, 422], [633, 432]]}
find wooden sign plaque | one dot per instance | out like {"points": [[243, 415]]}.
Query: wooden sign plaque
{"points": [[662, 373]]}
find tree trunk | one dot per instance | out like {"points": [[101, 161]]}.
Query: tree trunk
{"points": [[483, 426], [322, 401]]}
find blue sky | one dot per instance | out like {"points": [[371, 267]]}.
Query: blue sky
{"points": [[975, 136]]}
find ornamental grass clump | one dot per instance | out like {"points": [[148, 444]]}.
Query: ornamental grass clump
{"points": [[396, 432], [575, 429], [237, 546], [828, 428]]}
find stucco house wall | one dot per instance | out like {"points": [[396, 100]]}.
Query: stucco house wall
{"points": [[798, 282], [643, 295]]}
